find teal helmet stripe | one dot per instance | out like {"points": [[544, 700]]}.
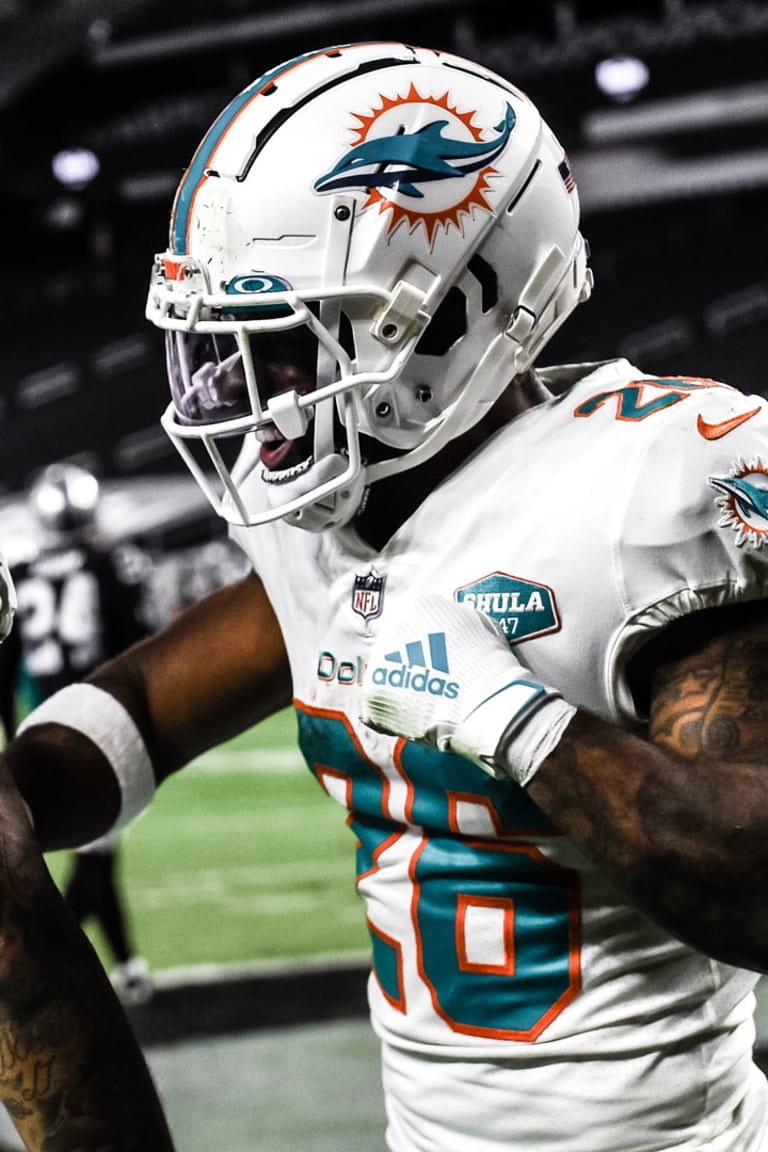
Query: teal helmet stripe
{"points": [[208, 145]]}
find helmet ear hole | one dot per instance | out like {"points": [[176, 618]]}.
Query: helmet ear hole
{"points": [[446, 327], [487, 279], [346, 335]]}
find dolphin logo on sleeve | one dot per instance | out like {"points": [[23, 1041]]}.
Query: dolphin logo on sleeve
{"points": [[751, 501], [743, 500]]}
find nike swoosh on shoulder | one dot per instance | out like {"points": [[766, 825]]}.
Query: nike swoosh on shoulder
{"points": [[723, 427]]}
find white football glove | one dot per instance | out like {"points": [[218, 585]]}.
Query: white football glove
{"points": [[444, 675]]}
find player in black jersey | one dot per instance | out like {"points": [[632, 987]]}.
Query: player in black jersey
{"points": [[78, 605]]}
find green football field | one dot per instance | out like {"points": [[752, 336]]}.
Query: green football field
{"points": [[240, 857]]}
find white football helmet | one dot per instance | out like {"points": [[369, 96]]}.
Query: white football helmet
{"points": [[367, 246], [64, 498], [7, 599]]}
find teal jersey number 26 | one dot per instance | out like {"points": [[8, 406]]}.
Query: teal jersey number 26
{"points": [[457, 882]]}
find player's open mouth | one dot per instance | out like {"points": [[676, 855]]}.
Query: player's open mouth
{"points": [[284, 475], [283, 460]]}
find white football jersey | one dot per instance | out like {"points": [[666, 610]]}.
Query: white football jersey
{"points": [[521, 1001]]}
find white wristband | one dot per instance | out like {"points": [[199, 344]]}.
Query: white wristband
{"points": [[104, 720], [524, 747], [531, 718]]}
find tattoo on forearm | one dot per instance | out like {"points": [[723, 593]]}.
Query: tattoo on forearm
{"points": [[715, 702], [71, 1073], [685, 810]]}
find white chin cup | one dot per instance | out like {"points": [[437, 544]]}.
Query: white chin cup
{"points": [[337, 507]]}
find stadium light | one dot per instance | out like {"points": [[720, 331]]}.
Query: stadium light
{"points": [[64, 214], [621, 77], [75, 167]]}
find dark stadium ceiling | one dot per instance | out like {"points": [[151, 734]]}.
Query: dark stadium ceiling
{"points": [[539, 37], [139, 81]]}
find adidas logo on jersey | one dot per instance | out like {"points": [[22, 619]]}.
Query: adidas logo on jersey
{"points": [[415, 672]]}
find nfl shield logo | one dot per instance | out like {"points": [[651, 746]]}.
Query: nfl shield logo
{"points": [[368, 594]]}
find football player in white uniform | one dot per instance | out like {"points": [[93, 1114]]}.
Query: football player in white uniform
{"points": [[520, 612], [72, 1075]]}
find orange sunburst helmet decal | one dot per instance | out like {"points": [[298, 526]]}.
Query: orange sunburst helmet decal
{"points": [[434, 175]]}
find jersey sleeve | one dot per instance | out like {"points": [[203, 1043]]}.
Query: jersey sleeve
{"points": [[694, 529]]}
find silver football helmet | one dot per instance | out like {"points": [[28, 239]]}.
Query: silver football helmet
{"points": [[64, 498], [368, 245], [7, 599]]}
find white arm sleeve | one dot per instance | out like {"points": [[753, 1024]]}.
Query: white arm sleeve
{"points": [[105, 722]]}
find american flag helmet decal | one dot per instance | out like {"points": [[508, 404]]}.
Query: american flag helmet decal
{"points": [[564, 169]]}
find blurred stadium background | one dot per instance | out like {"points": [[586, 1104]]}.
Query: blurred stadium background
{"points": [[240, 878]]}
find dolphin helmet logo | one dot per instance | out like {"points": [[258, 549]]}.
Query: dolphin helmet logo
{"points": [[433, 175]]}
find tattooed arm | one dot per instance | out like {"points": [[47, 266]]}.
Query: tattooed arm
{"points": [[72, 1075], [681, 820]]}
